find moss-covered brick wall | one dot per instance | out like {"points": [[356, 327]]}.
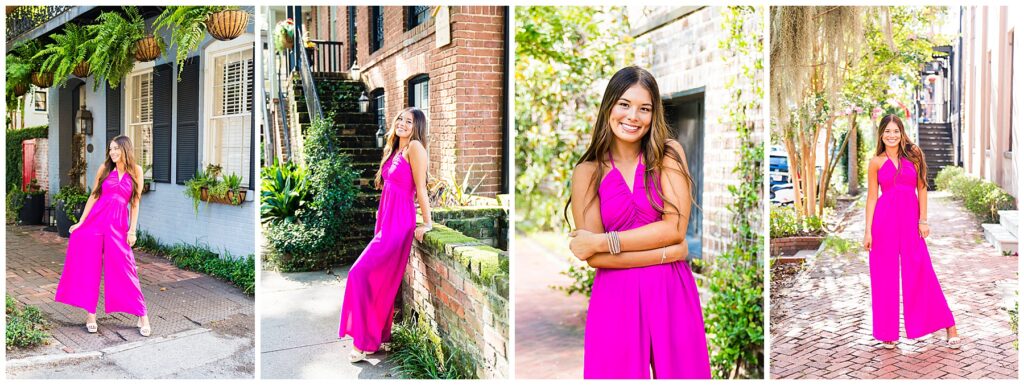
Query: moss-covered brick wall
{"points": [[460, 285], [488, 224]]}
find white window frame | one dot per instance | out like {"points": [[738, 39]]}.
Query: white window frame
{"points": [[210, 54], [129, 84]]}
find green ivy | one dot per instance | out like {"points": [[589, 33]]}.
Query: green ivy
{"points": [[308, 241], [26, 327], [419, 353], [14, 155], [734, 317]]}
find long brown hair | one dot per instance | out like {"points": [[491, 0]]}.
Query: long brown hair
{"points": [[906, 148], [128, 154], [653, 146], [419, 132]]}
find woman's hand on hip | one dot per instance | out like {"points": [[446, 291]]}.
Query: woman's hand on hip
{"points": [[867, 241], [924, 230], [583, 243]]}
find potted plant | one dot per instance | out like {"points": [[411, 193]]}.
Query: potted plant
{"points": [[284, 35], [194, 188], [227, 23], [34, 204], [68, 53], [18, 73], [70, 203], [235, 194], [310, 47], [188, 25], [118, 41]]}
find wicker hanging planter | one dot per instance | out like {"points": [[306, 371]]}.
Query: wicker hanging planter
{"points": [[42, 79], [147, 49], [81, 70], [228, 24], [20, 89]]}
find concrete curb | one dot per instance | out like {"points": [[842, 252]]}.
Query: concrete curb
{"points": [[50, 359]]}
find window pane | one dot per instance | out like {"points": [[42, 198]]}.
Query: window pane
{"points": [[228, 136], [140, 121]]}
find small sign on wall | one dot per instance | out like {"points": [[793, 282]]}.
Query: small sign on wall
{"points": [[442, 27]]}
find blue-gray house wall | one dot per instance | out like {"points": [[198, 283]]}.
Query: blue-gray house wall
{"points": [[165, 211]]}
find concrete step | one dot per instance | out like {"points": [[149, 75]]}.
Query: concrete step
{"points": [[1004, 241], [1008, 219]]}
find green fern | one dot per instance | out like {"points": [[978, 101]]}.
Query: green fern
{"points": [[114, 38], [187, 27], [68, 50]]}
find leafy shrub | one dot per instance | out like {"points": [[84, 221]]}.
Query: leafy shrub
{"points": [[983, 198], [14, 161], [284, 190], [239, 271], [582, 280], [74, 199], [420, 353], [25, 327], [785, 223], [307, 242]]}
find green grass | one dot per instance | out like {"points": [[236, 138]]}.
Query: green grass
{"points": [[26, 326], [239, 271], [419, 353]]}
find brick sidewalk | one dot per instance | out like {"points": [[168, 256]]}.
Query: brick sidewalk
{"points": [[177, 300], [821, 326], [549, 324]]}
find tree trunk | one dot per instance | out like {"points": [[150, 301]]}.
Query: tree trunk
{"points": [[852, 159]]}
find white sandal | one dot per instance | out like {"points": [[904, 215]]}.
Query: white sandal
{"points": [[92, 327], [889, 344], [355, 356], [145, 331], [954, 342]]}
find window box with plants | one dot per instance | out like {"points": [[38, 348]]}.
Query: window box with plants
{"points": [[70, 202], [208, 186]]}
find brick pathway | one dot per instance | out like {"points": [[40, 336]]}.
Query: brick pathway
{"points": [[821, 326], [177, 300], [549, 324]]}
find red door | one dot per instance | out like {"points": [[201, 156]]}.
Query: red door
{"points": [[28, 154]]}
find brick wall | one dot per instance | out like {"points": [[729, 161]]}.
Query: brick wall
{"points": [[461, 288], [465, 91], [42, 171], [683, 54], [791, 245]]}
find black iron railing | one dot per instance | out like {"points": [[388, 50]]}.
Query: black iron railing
{"points": [[26, 18], [327, 56]]}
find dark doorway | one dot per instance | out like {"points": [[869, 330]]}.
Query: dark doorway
{"points": [[685, 114]]}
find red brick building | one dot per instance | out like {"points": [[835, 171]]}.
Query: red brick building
{"points": [[449, 61]]}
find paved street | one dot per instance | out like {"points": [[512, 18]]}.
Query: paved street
{"points": [[821, 326], [206, 322]]}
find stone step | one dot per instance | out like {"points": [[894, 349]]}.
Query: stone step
{"points": [[362, 154], [1008, 219], [367, 169], [347, 129], [359, 141], [1002, 239]]}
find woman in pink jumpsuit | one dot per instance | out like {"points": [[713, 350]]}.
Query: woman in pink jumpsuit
{"points": [[104, 236], [645, 315], [896, 227], [373, 281]]}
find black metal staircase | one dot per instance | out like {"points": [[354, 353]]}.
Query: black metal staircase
{"points": [[936, 140]]}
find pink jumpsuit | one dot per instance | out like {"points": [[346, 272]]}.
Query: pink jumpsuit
{"points": [[373, 281], [898, 249], [646, 316], [102, 239]]}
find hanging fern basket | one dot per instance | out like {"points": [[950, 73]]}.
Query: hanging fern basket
{"points": [[81, 70], [42, 79], [228, 24], [20, 89], [147, 49]]}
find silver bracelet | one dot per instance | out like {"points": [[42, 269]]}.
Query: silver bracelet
{"points": [[922, 222], [663, 249]]}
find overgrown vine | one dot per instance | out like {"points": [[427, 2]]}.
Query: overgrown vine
{"points": [[734, 317]]}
